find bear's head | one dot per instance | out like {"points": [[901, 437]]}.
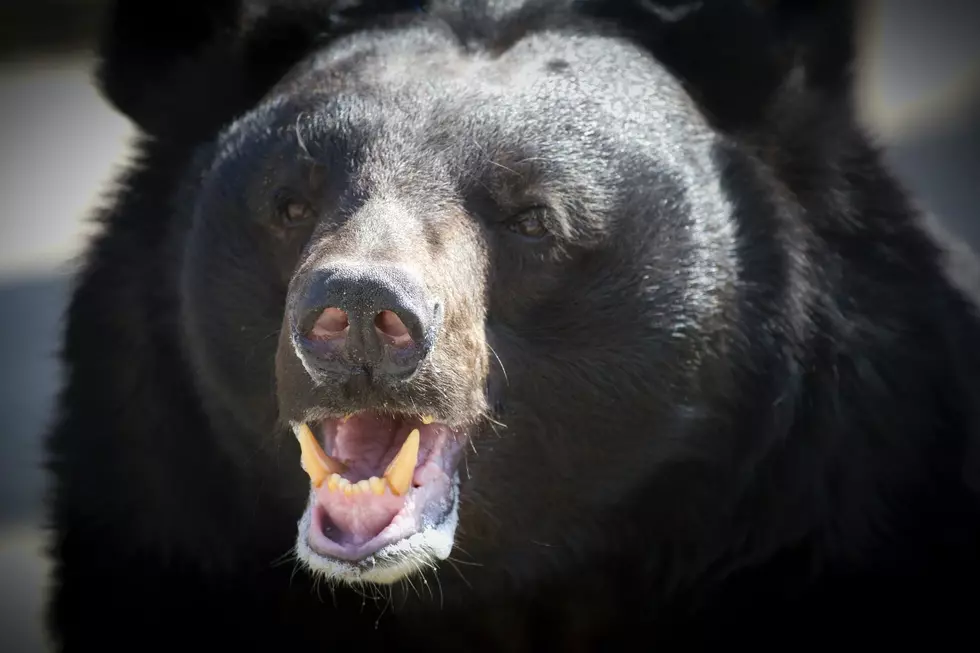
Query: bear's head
{"points": [[506, 283]]}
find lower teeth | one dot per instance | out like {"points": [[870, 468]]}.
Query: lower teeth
{"points": [[336, 482]]}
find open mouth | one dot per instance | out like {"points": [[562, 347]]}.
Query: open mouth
{"points": [[384, 493]]}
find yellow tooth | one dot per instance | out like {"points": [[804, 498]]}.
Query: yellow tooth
{"points": [[343, 420], [377, 485], [314, 460], [402, 468], [346, 487], [313, 469], [310, 460], [364, 486], [333, 482], [427, 419]]}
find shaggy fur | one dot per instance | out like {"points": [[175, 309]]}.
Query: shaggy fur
{"points": [[729, 397]]}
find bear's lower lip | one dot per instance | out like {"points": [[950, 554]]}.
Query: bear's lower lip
{"points": [[355, 514], [426, 509]]}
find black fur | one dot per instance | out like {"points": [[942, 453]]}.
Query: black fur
{"points": [[732, 397]]}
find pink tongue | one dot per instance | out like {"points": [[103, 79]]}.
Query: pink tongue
{"points": [[357, 518], [366, 443]]}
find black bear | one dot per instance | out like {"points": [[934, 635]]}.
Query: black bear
{"points": [[509, 326]]}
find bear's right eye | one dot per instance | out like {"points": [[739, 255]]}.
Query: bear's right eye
{"points": [[529, 224]]}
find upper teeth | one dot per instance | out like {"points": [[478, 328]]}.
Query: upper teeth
{"points": [[321, 467], [314, 459], [426, 419], [402, 467]]}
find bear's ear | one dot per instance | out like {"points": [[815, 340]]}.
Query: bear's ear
{"points": [[180, 67], [734, 55]]}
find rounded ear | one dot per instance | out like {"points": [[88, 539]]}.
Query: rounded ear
{"points": [[182, 68], [734, 55], [144, 44]]}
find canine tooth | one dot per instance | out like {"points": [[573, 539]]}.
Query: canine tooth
{"points": [[311, 460], [427, 419], [314, 470], [377, 485], [402, 468], [346, 487], [343, 420], [363, 486], [333, 482], [314, 460]]}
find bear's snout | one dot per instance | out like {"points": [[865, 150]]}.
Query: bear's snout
{"points": [[374, 317]]}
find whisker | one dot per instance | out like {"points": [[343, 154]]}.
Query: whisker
{"points": [[459, 572], [499, 362]]}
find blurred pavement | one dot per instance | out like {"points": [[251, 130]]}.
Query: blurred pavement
{"points": [[60, 145]]}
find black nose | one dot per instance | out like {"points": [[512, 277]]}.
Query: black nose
{"points": [[370, 317]]}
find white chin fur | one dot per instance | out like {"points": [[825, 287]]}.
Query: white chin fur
{"points": [[392, 563]]}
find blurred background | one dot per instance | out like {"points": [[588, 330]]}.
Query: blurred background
{"points": [[61, 145]]}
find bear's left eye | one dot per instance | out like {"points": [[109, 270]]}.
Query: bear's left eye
{"points": [[529, 223], [292, 212]]}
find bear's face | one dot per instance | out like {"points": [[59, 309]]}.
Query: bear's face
{"points": [[480, 285]]}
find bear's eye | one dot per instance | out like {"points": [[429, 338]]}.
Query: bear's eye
{"points": [[529, 223], [292, 212]]}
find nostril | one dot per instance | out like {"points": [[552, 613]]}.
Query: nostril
{"points": [[390, 325], [330, 324]]}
